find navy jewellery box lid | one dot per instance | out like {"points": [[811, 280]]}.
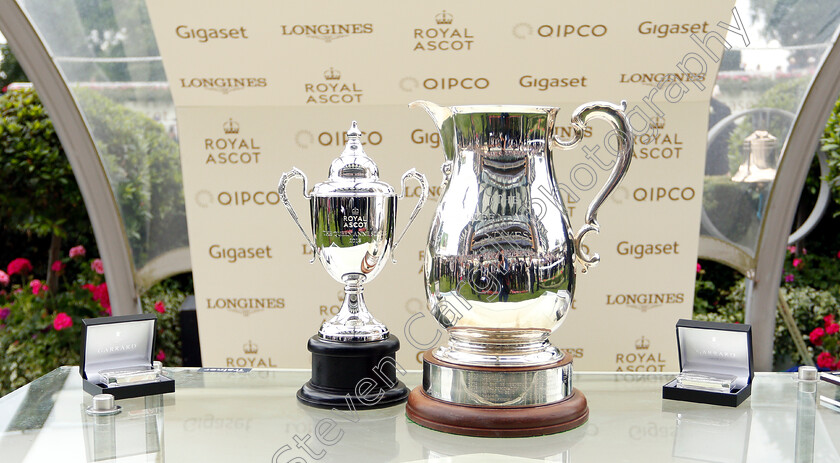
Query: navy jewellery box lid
{"points": [[120, 342], [711, 347]]}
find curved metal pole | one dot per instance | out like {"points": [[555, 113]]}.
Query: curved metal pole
{"points": [[797, 152], [101, 205]]}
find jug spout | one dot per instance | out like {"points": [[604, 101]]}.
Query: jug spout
{"points": [[439, 114]]}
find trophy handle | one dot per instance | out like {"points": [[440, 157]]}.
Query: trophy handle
{"points": [[614, 114], [421, 179], [281, 188]]}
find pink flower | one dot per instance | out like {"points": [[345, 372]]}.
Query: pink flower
{"points": [[58, 267], [19, 265], [797, 262], [4, 278], [4, 313], [789, 278], [816, 336], [699, 268], [100, 293], [89, 287], [97, 266], [160, 307], [838, 254], [825, 360], [62, 320], [77, 251], [828, 319], [832, 328], [37, 287], [160, 356], [791, 249]]}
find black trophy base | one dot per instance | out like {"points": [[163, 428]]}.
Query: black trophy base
{"points": [[353, 375]]}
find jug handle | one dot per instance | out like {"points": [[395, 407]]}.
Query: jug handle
{"points": [[421, 179], [281, 188], [614, 114]]}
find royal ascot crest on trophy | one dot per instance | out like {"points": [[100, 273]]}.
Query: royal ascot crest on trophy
{"points": [[500, 273], [353, 215]]}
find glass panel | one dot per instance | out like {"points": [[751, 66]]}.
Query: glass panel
{"points": [[759, 89], [108, 55]]}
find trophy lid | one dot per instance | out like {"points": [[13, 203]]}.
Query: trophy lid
{"points": [[353, 173]]}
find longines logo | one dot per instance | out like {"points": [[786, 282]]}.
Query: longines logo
{"points": [[443, 36], [308, 138], [250, 359], [409, 84], [246, 305], [641, 359], [326, 32], [332, 90], [657, 78], [223, 85], [559, 31], [231, 149], [645, 301]]}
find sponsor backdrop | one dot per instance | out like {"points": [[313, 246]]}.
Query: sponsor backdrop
{"points": [[263, 88]]}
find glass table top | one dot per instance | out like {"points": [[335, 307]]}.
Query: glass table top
{"points": [[254, 417]]}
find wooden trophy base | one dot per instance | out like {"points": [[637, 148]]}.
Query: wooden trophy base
{"points": [[495, 421]]}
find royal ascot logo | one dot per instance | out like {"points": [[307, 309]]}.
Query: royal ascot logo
{"points": [[645, 301], [231, 149], [657, 79], [250, 348], [332, 90], [657, 145], [231, 127], [642, 358], [249, 359], [443, 36], [245, 306], [524, 31], [223, 85], [326, 32]]}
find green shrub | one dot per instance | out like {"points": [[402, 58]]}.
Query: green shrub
{"points": [[40, 327]]}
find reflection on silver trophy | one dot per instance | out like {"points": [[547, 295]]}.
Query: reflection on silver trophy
{"points": [[500, 272], [353, 215]]}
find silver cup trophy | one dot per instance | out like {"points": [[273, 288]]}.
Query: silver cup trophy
{"points": [[353, 216], [500, 271]]}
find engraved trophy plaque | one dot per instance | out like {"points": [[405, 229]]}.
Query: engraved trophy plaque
{"points": [[353, 216], [499, 271]]}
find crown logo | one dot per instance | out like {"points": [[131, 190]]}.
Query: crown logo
{"points": [[658, 122], [250, 348], [443, 18], [231, 126], [332, 74], [355, 211], [642, 343]]}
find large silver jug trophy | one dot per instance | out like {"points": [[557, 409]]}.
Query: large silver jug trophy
{"points": [[353, 215], [500, 273]]}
